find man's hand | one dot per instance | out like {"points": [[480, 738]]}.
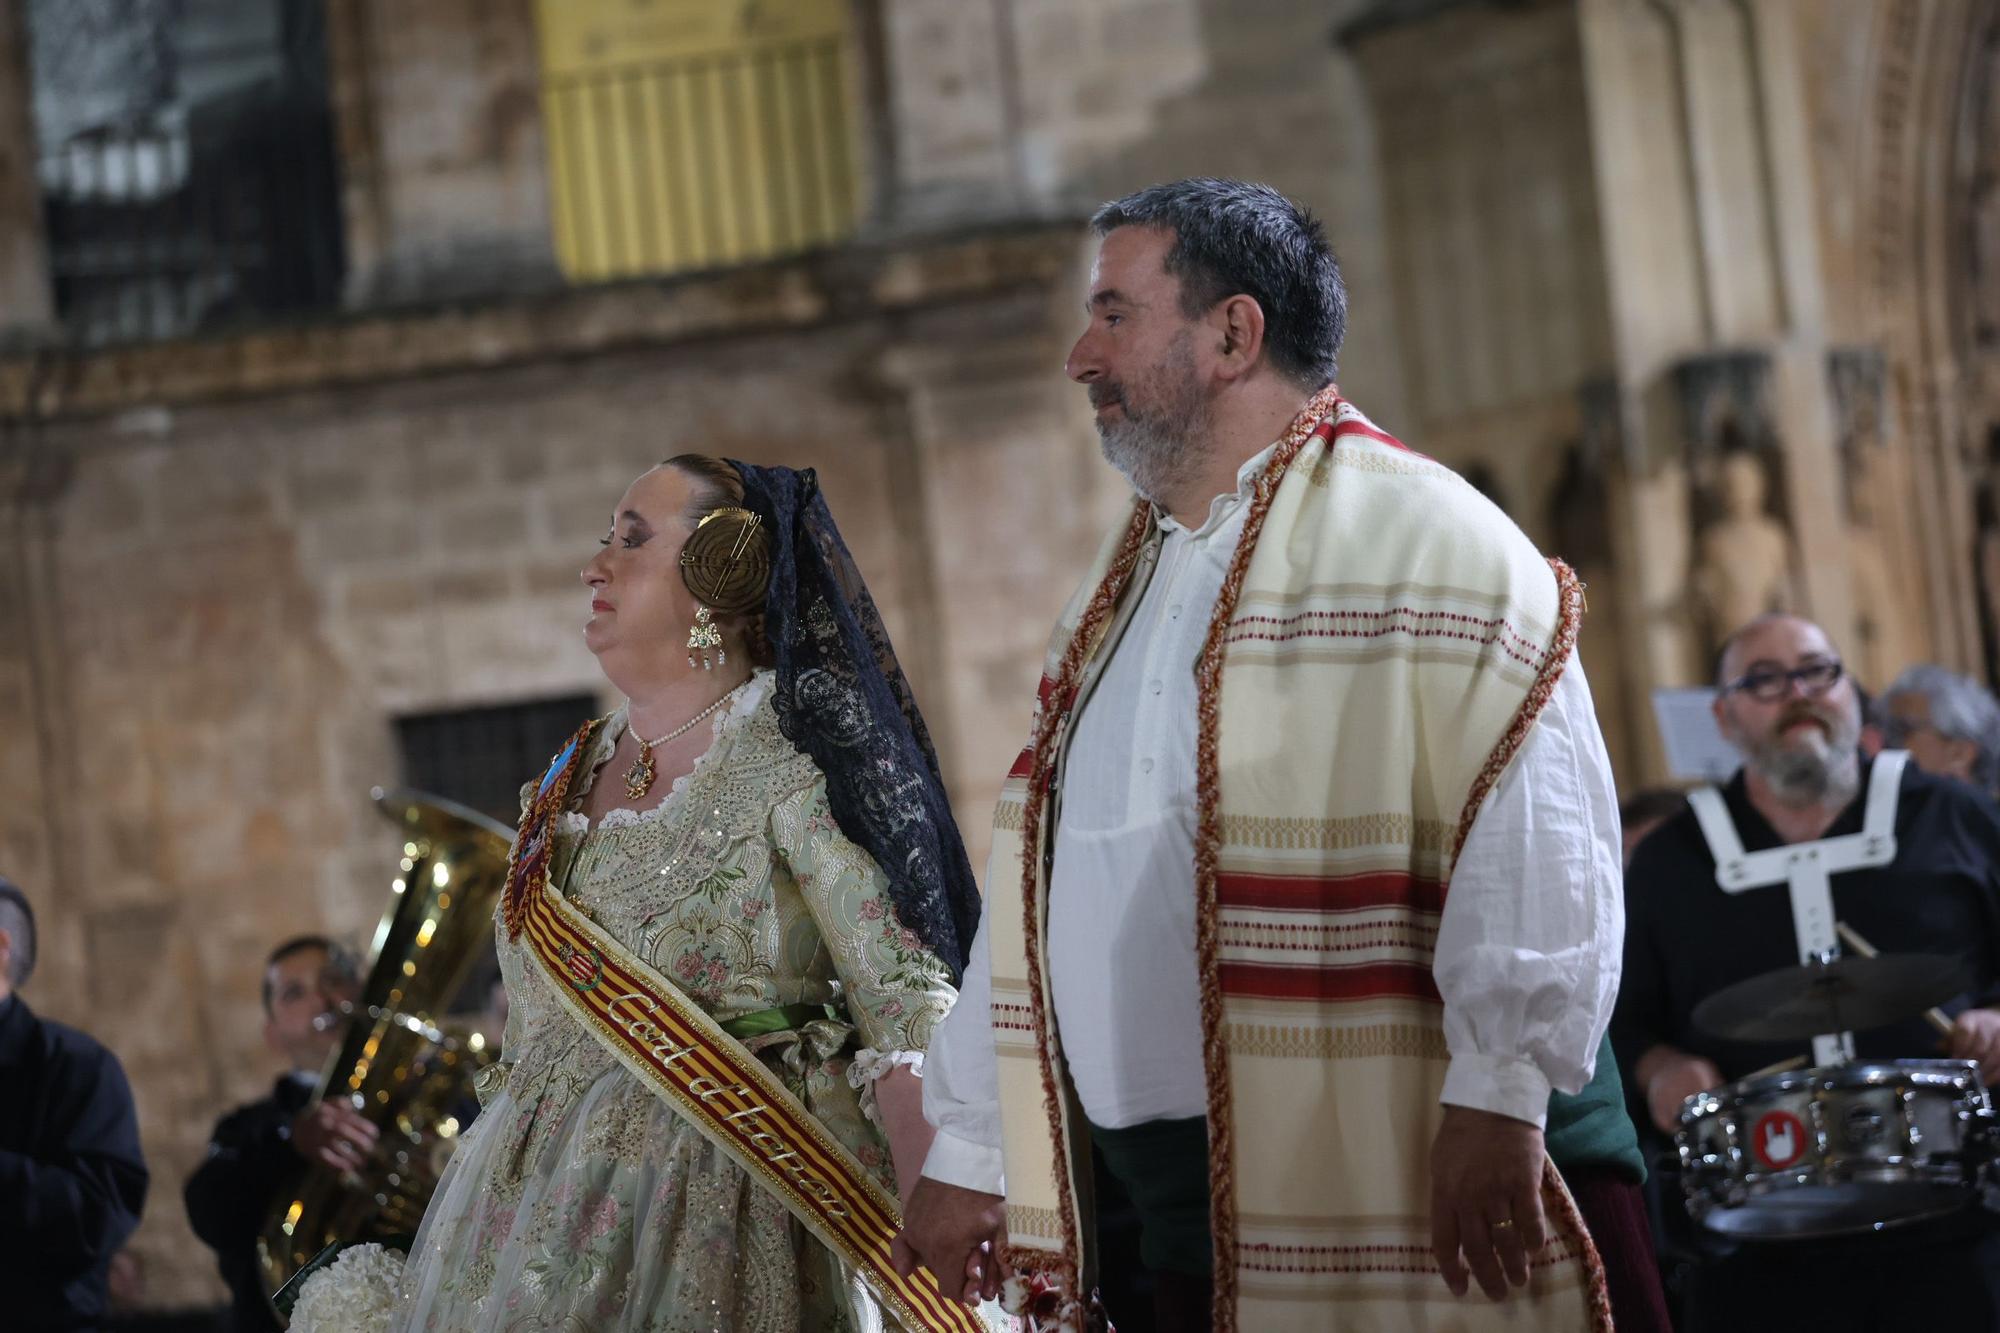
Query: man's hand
{"points": [[333, 1134], [1486, 1199], [1671, 1077], [1975, 1035], [958, 1234]]}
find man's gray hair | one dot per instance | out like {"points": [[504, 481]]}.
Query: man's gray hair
{"points": [[1236, 238], [18, 920], [1960, 709]]}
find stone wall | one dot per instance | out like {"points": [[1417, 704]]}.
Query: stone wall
{"points": [[1016, 108]]}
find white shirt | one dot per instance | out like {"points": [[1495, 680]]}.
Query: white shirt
{"points": [[1528, 946]]}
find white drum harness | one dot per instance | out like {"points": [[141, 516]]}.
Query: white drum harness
{"points": [[1807, 868]]}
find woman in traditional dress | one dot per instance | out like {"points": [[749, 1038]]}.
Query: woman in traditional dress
{"points": [[725, 834]]}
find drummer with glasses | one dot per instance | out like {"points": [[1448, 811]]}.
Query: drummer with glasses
{"points": [[1787, 705]]}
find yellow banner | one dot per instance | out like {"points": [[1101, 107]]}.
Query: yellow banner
{"points": [[586, 36]]}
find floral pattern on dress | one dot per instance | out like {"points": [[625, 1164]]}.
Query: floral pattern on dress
{"points": [[580, 1200]]}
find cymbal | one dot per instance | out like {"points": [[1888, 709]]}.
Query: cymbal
{"points": [[1845, 994]]}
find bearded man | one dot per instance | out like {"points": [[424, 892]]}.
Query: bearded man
{"points": [[1788, 706], [1303, 906]]}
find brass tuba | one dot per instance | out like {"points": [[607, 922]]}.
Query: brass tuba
{"points": [[403, 1064]]}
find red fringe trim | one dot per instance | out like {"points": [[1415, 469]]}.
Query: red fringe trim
{"points": [[1049, 725], [1313, 422], [1569, 618], [1562, 1211]]}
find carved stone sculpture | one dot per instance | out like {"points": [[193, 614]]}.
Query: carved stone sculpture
{"points": [[1879, 628], [1744, 563]]}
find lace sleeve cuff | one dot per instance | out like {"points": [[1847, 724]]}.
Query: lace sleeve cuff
{"points": [[868, 1068]]}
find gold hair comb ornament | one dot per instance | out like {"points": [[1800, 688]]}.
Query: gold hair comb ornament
{"points": [[726, 562]]}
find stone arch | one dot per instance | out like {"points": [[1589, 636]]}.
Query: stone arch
{"points": [[1931, 116]]}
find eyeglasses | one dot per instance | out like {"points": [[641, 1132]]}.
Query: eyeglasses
{"points": [[1768, 687]]}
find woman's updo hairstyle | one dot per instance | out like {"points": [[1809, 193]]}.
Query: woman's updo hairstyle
{"points": [[726, 561]]}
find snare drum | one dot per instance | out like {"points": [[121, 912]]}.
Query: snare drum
{"points": [[1836, 1150]]}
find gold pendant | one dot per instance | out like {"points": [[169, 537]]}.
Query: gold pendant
{"points": [[639, 777]]}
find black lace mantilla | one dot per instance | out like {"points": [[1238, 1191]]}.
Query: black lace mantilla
{"points": [[842, 699]]}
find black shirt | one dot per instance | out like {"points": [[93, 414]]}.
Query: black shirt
{"points": [[250, 1157], [72, 1181], [1686, 939]]}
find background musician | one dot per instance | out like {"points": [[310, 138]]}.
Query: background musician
{"points": [[1787, 705], [257, 1148]]}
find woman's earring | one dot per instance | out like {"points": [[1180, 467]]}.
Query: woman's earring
{"points": [[705, 634]]}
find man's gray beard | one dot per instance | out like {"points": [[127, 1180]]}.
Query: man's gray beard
{"points": [[1160, 450], [1829, 774], [1155, 457]]}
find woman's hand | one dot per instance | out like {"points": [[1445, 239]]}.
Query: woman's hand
{"points": [[899, 1100]]}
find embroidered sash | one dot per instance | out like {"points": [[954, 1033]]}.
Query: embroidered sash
{"points": [[686, 1057]]}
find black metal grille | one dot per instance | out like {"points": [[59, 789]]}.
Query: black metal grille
{"points": [[201, 195], [479, 757]]}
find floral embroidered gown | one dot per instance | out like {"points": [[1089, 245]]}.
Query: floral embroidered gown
{"points": [[580, 1201]]}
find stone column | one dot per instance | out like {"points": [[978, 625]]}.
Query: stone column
{"points": [[953, 105], [26, 303], [1591, 510], [438, 127], [37, 771], [1002, 451], [350, 59], [1705, 195], [1802, 402], [1882, 549]]}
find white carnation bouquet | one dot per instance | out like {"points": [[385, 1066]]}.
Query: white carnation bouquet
{"points": [[356, 1293]]}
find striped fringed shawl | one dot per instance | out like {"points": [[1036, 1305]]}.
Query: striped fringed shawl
{"points": [[1382, 643]]}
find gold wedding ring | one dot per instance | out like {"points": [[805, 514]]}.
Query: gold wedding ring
{"points": [[1504, 1222]]}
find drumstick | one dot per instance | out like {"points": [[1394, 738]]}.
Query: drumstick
{"points": [[1933, 1015], [1782, 1067]]}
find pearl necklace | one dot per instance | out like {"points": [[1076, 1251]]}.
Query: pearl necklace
{"points": [[639, 777]]}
